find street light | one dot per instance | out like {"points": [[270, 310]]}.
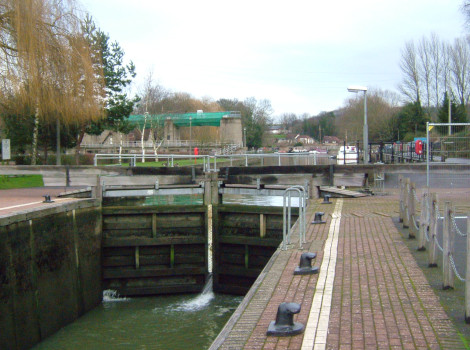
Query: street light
{"points": [[244, 137], [190, 136], [356, 89]]}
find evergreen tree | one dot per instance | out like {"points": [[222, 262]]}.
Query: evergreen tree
{"points": [[458, 112], [411, 121], [109, 59], [327, 124]]}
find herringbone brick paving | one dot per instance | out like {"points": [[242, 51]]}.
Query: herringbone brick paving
{"points": [[381, 299]]}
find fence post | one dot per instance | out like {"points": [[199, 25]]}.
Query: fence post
{"points": [[448, 248], [406, 202], [433, 232], [423, 222], [467, 275], [412, 211], [400, 184]]}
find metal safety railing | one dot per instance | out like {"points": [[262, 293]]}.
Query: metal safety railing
{"points": [[165, 143], [427, 232], [211, 162], [287, 214], [171, 159]]}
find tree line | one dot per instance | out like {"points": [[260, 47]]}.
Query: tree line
{"points": [[62, 77]]}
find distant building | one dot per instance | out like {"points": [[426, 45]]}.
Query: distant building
{"points": [[295, 138], [228, 123], [305, 139], [276, 129], [331, 140]]}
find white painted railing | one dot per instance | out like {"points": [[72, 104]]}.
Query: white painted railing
{"points": [[210, 162], [166, 143]]}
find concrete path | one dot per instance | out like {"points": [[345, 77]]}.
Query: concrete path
{"points": [[369, 294]]}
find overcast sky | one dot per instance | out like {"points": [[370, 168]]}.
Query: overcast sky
{"points": [[300, 55]]}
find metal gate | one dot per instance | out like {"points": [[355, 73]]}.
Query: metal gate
{"points": [[447, 155]]}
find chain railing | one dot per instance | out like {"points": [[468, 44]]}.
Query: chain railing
{"points": [[428, 236]]}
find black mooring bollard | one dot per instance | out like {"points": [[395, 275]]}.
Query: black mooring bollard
{"points": [[284, 325], [305, 266], [318, 218], [326, 199], [47, 199]]}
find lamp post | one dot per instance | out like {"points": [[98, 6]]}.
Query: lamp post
{"points": [[357, 89], [190, 135], [244, 137]]}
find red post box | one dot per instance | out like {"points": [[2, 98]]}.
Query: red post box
{"points": [[419, 147]]}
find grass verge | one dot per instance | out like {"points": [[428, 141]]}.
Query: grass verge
{"points": [[8, 182]]}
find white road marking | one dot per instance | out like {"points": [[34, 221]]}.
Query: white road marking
{"points": [[30, 203], [316, 330]]}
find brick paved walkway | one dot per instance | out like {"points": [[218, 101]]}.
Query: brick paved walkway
{"points": [[17, 200], [380, 298]]}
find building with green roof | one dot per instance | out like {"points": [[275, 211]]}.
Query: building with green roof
{"points": [[230, 124]]}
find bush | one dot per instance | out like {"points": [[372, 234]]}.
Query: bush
{"points": [[69, 159]]}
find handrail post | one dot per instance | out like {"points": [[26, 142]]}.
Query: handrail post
{"points": [[284, 223], [467, 275], [95, 160], [447, 247], [412, 211], [433, 232], [303, 195], [406, 202], [289, 213], [401, 184], [423, 222], [286, 227]]}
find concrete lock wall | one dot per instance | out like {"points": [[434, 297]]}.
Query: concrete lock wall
{"points": [[50, 271], [170, 131], [231, 130]]}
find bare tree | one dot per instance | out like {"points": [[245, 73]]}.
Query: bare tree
{"points": [[287, 120], [411, 85], [425, 69], [437, 67], [460, 69], [46, 64], [381, 107], [445, 74], [465, 8], [153, 94]]}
